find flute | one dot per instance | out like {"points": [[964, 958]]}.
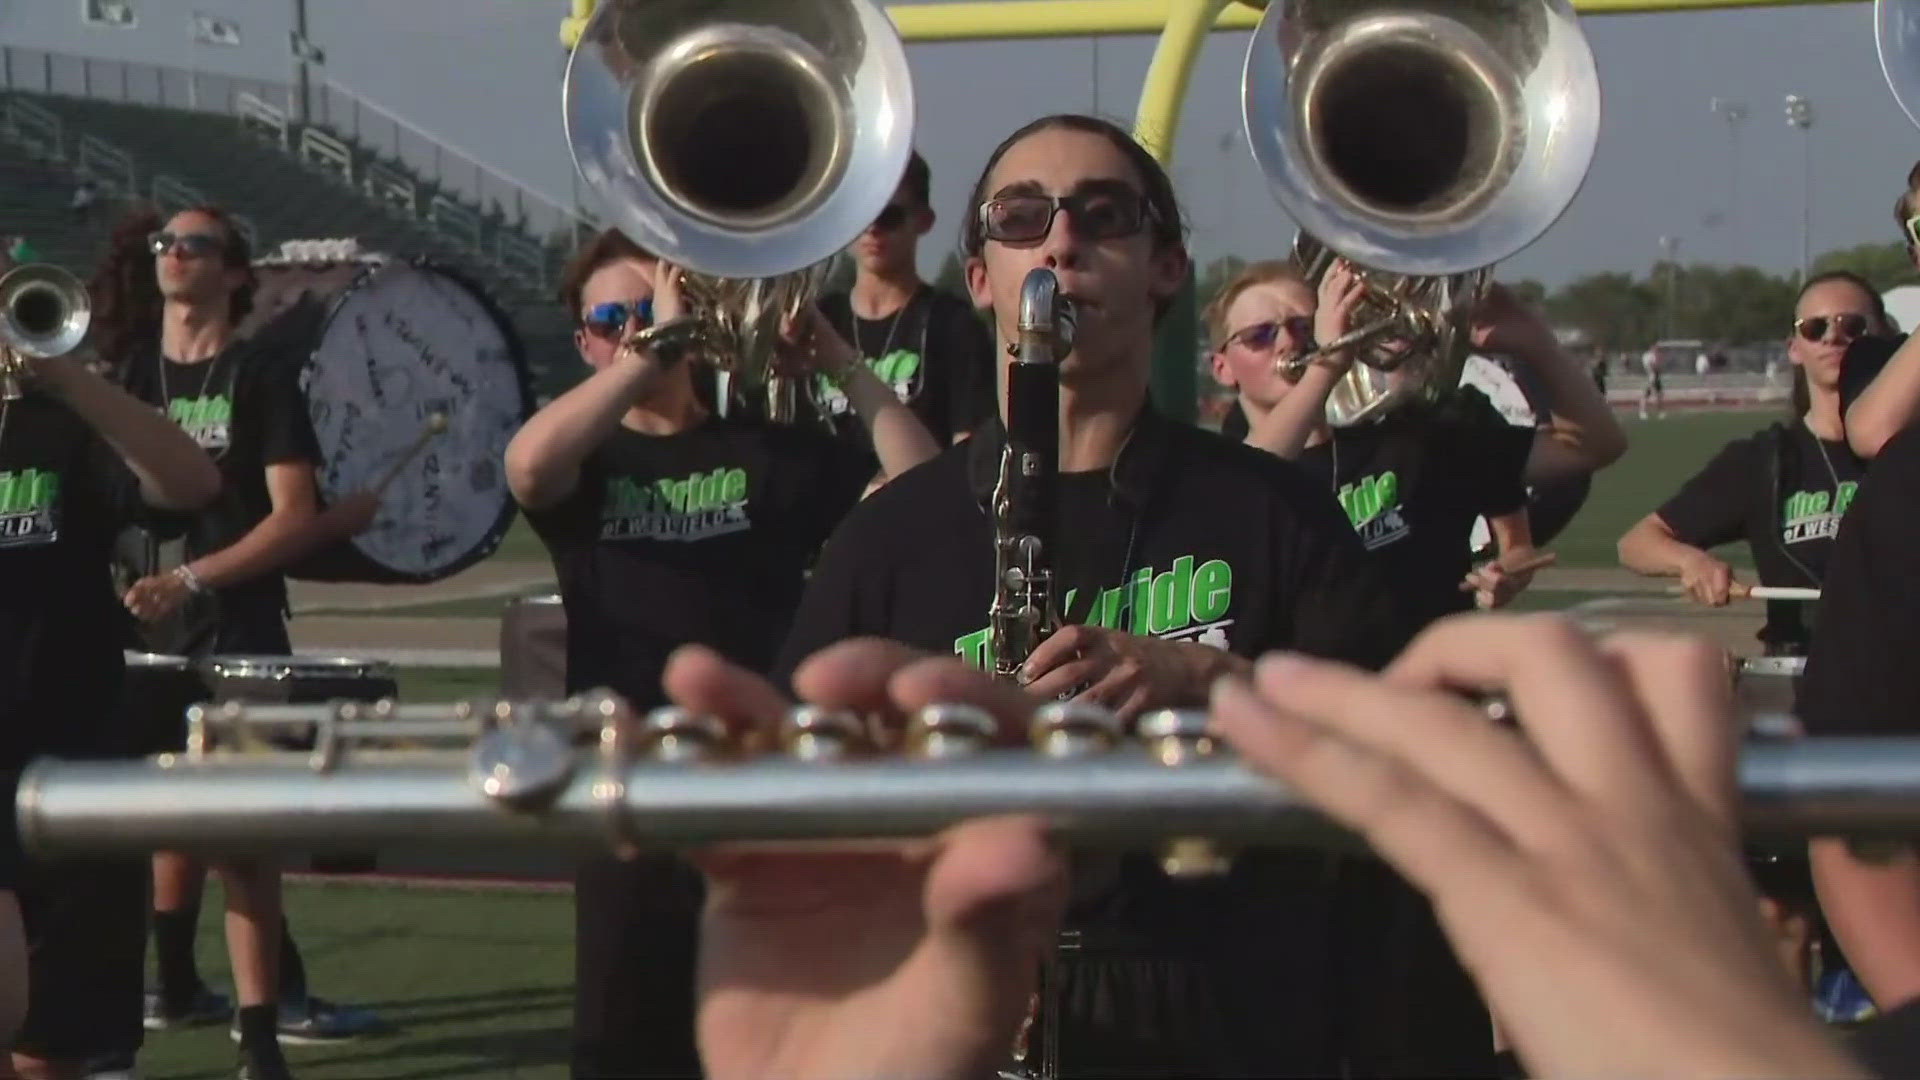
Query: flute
{"points": [[587, 774]]}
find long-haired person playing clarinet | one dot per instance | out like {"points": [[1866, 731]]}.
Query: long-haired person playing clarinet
{"points": [[78, 459], [1179, 557], [1783, 489], [669, 525]]}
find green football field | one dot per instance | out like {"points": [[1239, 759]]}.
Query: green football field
{"points": [[479, 981]]}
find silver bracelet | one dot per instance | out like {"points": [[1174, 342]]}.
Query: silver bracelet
{"points": [[190, 579]]}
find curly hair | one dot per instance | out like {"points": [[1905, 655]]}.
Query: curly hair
{"points": [[126, 296]]}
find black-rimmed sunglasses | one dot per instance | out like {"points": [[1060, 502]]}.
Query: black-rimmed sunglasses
{"points": [[1094, 215], [1814, 327], [191, 245]]}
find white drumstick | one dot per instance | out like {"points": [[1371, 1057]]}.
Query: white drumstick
{"points": [[436, 424], [1759, 592]]}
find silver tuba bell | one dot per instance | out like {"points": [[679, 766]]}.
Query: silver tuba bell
{"points": [[44, 312], [1423, 141], [1896, 37], [746, 142]]}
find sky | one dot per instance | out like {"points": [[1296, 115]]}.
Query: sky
{"points": [[484, 76]]}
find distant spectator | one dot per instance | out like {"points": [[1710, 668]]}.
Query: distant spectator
{"points": [[1600, 375], [84, 197], [1702, 364]]}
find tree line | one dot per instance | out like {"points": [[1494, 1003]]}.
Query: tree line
{"points": [[1621, 312]]}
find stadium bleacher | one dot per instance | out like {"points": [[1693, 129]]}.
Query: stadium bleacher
{"points": [[175, 156]]}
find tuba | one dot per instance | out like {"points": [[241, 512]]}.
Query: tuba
{"points": [[1423, 141], [747, 143], [44, 311]]}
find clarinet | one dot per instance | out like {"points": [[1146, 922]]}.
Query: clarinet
{"points": [[1024, 611], [1025, 526]]}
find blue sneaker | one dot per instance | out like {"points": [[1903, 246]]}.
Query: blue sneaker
{"points": [[315, 1021]]}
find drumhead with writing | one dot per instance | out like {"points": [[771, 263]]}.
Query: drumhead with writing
{"points": [[403, 343]]}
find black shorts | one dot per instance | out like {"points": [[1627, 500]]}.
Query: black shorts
{"points": [[636, 931], [86, 926]]}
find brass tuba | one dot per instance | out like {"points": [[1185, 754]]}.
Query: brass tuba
{"points": [[747, 142], [1423, 141], [44, 311]]}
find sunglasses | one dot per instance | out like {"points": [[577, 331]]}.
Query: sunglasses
{"points": [[891, 218], [1814, 327], [188, 245], [1095, 215], [609, 320], [1261, 337]]}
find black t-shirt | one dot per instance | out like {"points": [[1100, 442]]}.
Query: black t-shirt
{"points": [[1413, 484], [1784, 492], [1188, 537], [63, 494], [934, 352], [700, 537], [1859, 678], [244, 408], [1194, 538]]}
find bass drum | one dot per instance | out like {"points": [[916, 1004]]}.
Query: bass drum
{"points": [[1550, 507], [383, 346]]}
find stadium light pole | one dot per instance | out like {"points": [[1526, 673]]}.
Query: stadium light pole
{"points": [[1800, 115], [1734, 113], [1669, 247]]}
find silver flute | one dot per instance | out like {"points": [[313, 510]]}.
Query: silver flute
{"points": [[587, 773]]}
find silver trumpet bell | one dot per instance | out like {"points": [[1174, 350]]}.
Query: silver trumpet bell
{"points": [[746, 142], [44, 312], [1423, 141]]}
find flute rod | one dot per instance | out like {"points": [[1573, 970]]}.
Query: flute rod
{"points": [[1813, 786]]}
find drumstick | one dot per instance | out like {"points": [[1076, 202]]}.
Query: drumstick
{"points": [[1535, 560], [1757, 592], [436, 424]]}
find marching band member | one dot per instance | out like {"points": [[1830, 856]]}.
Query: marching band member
{"points": [[928, 345], [1783, 489], [1413, 482], [1181, 556], [670, 525], [78, 458], [170, 315], [1877, 408]]}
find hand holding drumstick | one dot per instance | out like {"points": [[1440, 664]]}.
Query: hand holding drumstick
{"points": [[354, 514], [1495, 583]]}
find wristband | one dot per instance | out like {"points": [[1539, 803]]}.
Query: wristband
{"points": [[185, 575]]}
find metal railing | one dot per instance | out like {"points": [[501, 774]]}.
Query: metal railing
{"points": [[438, 162], [265, 119], [36, 128], [41, 72], [108, 165], [326, 153]]}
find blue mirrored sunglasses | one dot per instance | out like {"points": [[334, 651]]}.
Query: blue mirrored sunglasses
{"points": [[609, 319]]}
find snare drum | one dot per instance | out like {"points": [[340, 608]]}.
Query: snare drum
{"points": [[297, 680], [159, 689], [302, 680]]}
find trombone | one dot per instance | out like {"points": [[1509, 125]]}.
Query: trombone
{"points": [[44, 312]]}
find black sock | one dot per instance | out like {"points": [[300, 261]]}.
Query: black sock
{"points": [[293, 973], [260, 1042], [173, 933]]}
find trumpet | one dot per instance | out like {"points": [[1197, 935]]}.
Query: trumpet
{"points": [[747, 143], [587, 773], [1423, 142], [44, 312]]}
